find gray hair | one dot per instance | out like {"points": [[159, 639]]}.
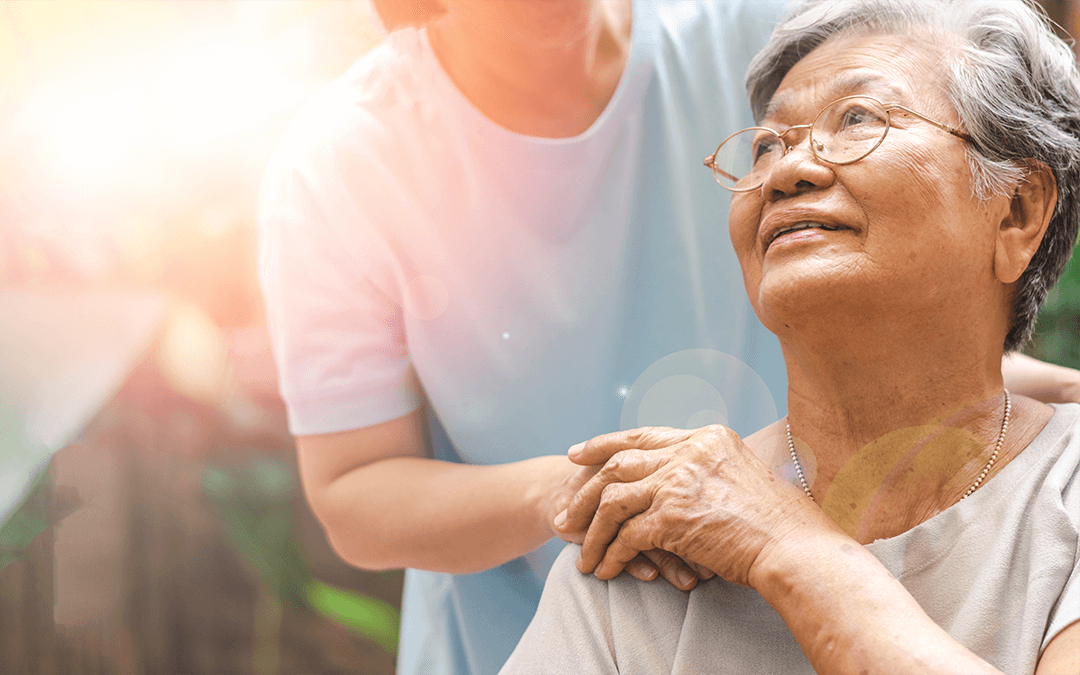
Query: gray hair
{"points": [[1014, 84]]}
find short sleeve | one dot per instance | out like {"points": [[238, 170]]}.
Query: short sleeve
{"points": [[572, 630], [1067, 608], [1066, 611], [335, 323]]}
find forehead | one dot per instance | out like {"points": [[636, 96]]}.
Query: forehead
{"points": [[906, 69]]}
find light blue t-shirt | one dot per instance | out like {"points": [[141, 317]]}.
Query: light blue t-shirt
{"points": [[536, 291]]}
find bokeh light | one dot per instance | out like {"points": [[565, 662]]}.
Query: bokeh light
{"points": [[133, 137], [94, 135]]}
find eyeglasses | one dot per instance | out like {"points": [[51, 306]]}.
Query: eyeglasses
{"points": [[844, 132]]}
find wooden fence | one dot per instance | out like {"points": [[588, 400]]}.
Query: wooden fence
{"points": [[142, 579]]}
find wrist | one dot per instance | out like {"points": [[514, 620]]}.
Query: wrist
{"points": [[802, 554], [547, 493]]}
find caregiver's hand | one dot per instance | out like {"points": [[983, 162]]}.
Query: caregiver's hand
{"points": [[699, 494]]}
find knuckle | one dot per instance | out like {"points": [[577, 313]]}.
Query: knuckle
{"points": [[717, 430], [616, 463], [610, 493], [621, 462], [725, 432], [648, 437]]}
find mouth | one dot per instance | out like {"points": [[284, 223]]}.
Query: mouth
{"points": [[802, 225]]}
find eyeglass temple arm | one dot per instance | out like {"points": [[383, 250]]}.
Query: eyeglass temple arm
{"points": [[944, 127], [710, 162]]}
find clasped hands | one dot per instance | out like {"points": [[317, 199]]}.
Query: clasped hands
{"points": [[701, 495]]}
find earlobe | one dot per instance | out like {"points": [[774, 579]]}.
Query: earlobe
{"points": [[1022, 229]]}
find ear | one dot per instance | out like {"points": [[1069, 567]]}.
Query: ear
{"points": [[1022, 229]]}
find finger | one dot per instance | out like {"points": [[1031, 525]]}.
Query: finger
{"points": [[641, 568], [632, 539], [600, 449], [680, 574], [673, 568], [703, 573], [571, 537], [621, 502], [628, 466]]}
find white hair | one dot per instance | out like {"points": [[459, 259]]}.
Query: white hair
{"points": [[1013, 83]]}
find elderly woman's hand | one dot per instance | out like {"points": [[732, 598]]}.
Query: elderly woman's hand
{"points": [[700, 494]]}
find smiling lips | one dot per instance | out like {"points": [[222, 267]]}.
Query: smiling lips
{"points": [[803, 225]]}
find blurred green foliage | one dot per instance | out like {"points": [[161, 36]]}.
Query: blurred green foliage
{"points": [[27, 521], [1057, 332], [254, 502], [370, 617]]}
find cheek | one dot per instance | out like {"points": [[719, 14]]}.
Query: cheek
{"points": [[916, 202], [743, 219], [908, 184], [924, 222]]}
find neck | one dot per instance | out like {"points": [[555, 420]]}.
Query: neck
{"points": [[537, 68], [853, 402], [892, 431]]}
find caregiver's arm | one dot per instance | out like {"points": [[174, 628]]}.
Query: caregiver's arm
{"points": [[1041, 381], [385, 505]]}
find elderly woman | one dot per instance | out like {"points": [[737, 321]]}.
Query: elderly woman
{"points": [[904, 205]]}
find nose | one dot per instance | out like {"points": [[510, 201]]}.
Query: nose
{"points": [[799, 170]]}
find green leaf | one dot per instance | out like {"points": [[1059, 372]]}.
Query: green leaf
{"points": [[253, 504], [374, 619], [30, 519], [1057, 332]]}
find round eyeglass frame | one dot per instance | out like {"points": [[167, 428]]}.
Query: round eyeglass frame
{"points": [[710, 161]]}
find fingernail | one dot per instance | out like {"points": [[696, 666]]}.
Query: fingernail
{"points": [[575, 450], [650, 573], [685, 578], [560, 519]]}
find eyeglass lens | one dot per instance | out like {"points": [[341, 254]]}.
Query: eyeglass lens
{"points": [[845, 131]]}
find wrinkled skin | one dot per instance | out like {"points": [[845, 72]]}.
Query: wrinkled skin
{"points": [[702, 495]]}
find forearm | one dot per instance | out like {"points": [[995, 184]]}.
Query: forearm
{"points": [[428, 514], [850, 615], [1041, 381]]}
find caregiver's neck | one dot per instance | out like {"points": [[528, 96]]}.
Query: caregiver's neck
{"points": [[536, 68]]}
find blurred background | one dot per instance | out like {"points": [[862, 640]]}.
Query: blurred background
{"points": [[150, 514]]}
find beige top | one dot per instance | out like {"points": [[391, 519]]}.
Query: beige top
{"points": [[1000, 571]]}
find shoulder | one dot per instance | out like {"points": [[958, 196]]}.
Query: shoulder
{"points": [[366, 113], [742, 25], [1063, 479], [1059, 517], [354, 153], [584, 624], [702, 51], [624, 594], [1059, 443], [571, 630]]}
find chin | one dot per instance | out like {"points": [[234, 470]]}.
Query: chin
{"points": [[796, 294]]}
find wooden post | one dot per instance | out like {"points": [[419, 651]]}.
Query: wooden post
{"points": [[27, 637]]}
